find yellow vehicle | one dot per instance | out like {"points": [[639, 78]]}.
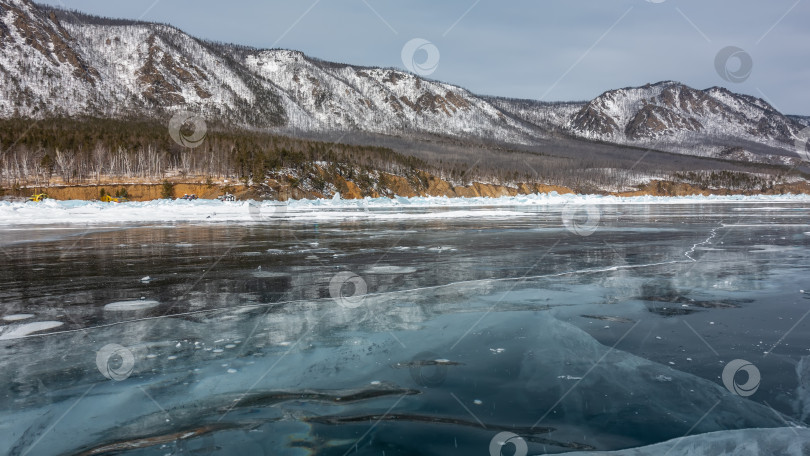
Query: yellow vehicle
{"points": [[112, 199], [38, 197]]}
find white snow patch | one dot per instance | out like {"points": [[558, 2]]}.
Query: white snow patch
{"points": [[270, 275], [390, 270], [18, 317], [18, 331], [126, 306]]}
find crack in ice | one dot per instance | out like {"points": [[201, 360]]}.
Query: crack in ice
{"points": [[708, 240]]}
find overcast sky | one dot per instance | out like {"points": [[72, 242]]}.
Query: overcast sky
{"points": [[538, 49]]}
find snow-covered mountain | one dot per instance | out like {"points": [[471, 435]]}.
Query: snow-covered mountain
{"points": [[673, 111], [328, 96], [672, 116], [58, 63]]}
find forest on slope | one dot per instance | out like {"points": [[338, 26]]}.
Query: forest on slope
{"points": [[37, 154], [83, 151]]}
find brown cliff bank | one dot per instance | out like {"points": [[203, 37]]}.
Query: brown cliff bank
{"points": [[386, 185]]}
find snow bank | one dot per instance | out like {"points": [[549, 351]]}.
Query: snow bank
{"points": [[75, 212]]}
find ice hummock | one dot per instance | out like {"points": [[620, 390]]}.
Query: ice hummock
{"points": [[746, 442]]}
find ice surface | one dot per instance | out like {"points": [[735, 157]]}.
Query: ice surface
{"points": [[53, 212], [513, 319], [338, 352], [748, 442]]}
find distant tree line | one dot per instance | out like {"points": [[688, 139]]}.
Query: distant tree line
{"points": [[92, 151], [87, 150], [729, 180]]}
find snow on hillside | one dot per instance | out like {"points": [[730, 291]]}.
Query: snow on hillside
{"points": [[545, 115], [673, 117], [676, 117], [58, 63], [341, 97]]}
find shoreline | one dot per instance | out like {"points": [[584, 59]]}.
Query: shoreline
{"points": [[397, 187], [77, 212]]}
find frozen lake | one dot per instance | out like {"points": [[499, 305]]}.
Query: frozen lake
{"points": [[401, 330]]}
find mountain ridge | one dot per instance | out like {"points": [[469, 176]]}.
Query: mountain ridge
{"points": [[54, 62]]}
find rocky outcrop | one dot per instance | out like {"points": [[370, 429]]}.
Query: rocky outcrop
{"points": [[156, 87], [652, 121], [591, 120], [48, 37]]}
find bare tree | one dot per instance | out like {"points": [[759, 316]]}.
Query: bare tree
{"points": [[66, 164], [99, 157]]}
